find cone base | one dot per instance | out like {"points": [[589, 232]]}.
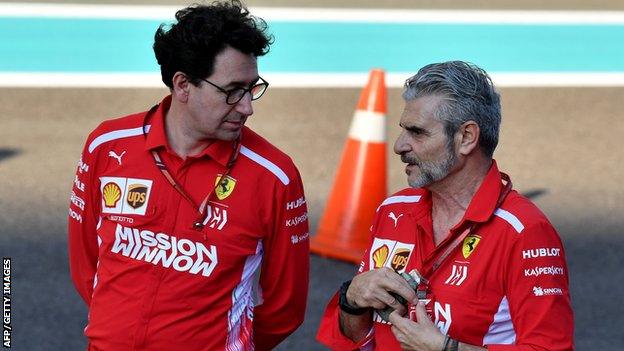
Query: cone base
{"points": [[330, 250]]}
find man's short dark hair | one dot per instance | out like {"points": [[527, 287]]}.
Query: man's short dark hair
{"points": [[201, 32]]}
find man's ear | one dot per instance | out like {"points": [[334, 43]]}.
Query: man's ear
{"points": [[181, 87], [468, 135]]}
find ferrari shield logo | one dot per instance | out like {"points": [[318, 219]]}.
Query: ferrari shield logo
{"points": [[224, 186], [470, 244]]}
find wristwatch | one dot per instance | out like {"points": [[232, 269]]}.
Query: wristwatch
{"points": [[344, 304]]}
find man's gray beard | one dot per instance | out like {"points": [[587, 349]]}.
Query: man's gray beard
{"points": [[433, 171]]}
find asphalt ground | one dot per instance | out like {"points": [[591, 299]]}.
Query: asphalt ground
{"points": [[561, 147]]}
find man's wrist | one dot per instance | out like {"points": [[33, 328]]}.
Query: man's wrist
{"points": [[450, 344], [344, 304], [453, 345]]}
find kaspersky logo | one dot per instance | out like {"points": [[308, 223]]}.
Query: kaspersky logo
{"points": [[182, 255]]}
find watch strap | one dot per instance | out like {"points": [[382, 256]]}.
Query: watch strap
{"points": [[344, 305]]}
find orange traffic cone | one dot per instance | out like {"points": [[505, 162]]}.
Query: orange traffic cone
{"points": [[360, 183]]}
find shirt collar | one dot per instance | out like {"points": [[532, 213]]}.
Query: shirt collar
{"points": [[483, 203], [218, 150], [156, 136]]}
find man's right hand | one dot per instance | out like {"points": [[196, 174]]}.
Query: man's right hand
{"points": [[371, 289]]}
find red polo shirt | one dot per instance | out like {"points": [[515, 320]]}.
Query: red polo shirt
{"points": [[152, 281], [504, 287]]}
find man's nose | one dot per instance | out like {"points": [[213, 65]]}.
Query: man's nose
{"points": [[400, 146], [244, 105]]}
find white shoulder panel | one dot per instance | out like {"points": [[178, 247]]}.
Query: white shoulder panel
{"points": [[510, 218], [399, 199], [272, 167], [116, 134]]}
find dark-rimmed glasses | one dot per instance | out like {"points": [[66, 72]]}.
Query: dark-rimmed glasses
{"points": [[233, 96]]}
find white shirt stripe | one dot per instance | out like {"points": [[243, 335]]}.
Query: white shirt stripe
{"points": [[116, 134], [510, 218], [243, 301], [501, 330], [272, 167], [399, 199]]}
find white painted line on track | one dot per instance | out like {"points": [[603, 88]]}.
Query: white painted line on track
{"points": [[90, 11], [166, 13], [300, 80]]}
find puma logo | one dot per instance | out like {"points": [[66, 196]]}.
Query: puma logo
{"points": [[115, 156], [394, 218]]}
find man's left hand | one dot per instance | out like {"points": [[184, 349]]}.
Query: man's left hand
{"points": [[421, 335]]}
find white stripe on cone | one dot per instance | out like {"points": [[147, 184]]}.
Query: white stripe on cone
{"points": [[368, 126]]}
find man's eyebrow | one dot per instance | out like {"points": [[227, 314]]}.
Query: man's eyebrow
{"points": [[240, 83], [415, 129]]}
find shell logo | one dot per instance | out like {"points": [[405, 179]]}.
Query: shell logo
{"points": [[111, 194], [380, 256]]}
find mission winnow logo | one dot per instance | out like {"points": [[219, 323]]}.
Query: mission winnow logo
{"points": [[165, 250]]}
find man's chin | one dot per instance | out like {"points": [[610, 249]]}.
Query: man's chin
{"points": [[418, 184], [229, 135]]}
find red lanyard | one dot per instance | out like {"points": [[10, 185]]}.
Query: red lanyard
{"points": [[201, 209], [449, 248]]}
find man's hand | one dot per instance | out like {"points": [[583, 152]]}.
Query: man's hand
{"points": [[371, 289], [421, 335]]}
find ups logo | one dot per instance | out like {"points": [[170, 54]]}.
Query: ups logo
{"points": [[137, 194], [399, 260]]}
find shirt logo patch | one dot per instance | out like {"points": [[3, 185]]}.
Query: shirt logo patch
{"points": [[380, 256], [224, 186], [135, 193], [114, 155], [459, 273], [216, 217], [383, 249], [541, 252], [470, 244], [183, 255], [399, 260], [111, 194], [539, 291], [392, 216]]}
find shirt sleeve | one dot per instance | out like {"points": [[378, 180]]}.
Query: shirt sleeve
{"points": [[538, 292], [82, 221], [285, 268], [329, 333]]}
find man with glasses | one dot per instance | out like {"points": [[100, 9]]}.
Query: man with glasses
{"points": [[188, 231]]}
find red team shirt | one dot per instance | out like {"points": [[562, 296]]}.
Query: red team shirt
{"points": [[505, 287], [151, 281]]}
